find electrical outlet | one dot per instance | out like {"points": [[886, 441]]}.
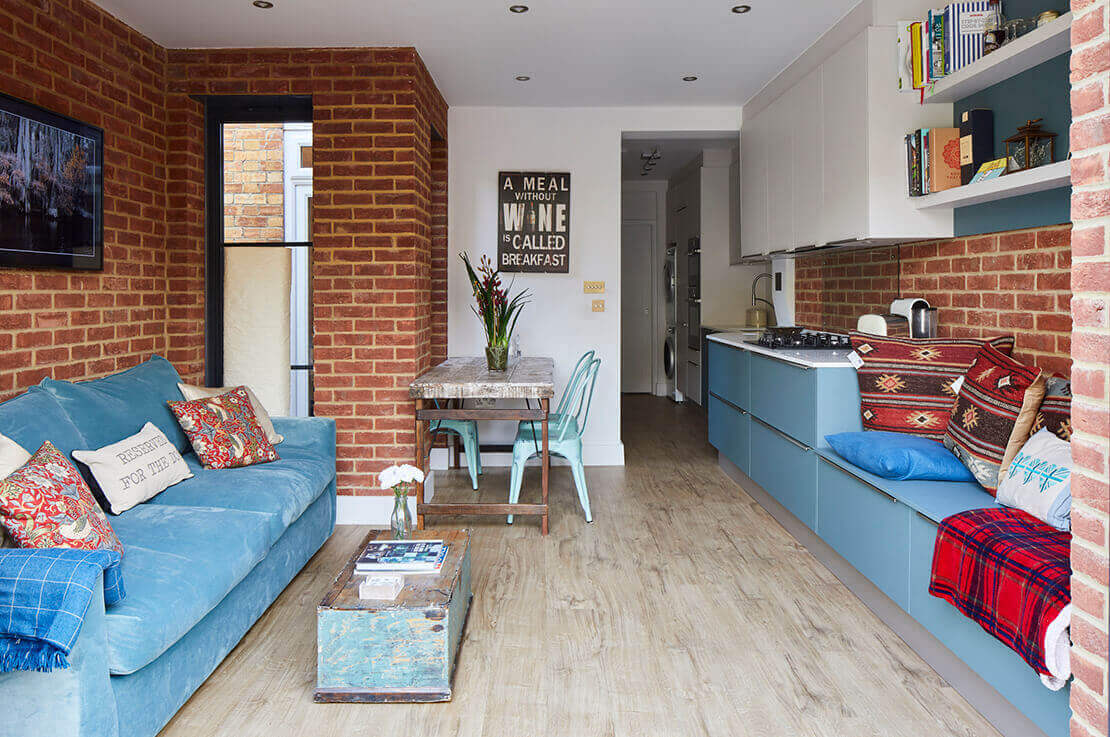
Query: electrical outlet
{"points": [[598, 305], [593, 287]]}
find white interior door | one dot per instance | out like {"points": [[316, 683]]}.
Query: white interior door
{"points": [[636, 318]]}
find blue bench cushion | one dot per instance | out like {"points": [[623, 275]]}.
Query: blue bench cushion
{"points": [[178, 564], [115, 407], [34, 417], [934, 499]]}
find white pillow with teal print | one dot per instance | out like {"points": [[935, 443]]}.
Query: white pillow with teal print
{"points": [[1039, 480]]}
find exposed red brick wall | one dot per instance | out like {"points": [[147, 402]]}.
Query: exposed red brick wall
{"points": [[254, 182], [1090, 278], [1015, 283], [375, 173], [373, 112], [72, 58]]}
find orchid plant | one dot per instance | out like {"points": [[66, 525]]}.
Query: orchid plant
{"points": [[497, 312]]}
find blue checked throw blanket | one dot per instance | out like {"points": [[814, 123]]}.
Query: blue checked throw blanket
{"points": [[44, 594]]}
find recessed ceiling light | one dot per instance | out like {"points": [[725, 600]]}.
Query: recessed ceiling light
{"points": [[522, 78], [741, 8], [691, 78], [264, 4], [518, 8]]}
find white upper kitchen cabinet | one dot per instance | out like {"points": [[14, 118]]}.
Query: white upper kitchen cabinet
{"points": [[823, 151], [753, 188]]}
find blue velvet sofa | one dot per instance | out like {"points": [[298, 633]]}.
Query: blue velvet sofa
{"points": [[202, 561]]}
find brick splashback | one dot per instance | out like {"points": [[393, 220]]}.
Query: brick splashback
{"points": [[73, 58], [379, 182], [1005, 283]]}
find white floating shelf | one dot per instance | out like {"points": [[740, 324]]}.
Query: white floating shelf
{"points": [[1035, 47], [1049, 176]]}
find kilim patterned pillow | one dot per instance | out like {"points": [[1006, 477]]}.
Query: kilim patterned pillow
{"points": [[224, 431], [1055, 411], [905, 385], [993, 414]]}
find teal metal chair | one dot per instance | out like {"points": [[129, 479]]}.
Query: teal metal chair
{"points": [[564, 434], [467, 430]]}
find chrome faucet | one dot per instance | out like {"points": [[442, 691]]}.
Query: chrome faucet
{"points": [[755, 283]]}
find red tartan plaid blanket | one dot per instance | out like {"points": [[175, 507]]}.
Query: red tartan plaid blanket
{"points": [[1011, 573]]}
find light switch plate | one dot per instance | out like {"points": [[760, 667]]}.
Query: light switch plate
{"points": [[593, 287], [598, 305]]}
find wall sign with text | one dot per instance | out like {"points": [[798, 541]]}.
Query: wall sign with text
{"points": [[533, 222]]}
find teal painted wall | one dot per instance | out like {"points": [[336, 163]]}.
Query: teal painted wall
{"points": [[1041, 92]]}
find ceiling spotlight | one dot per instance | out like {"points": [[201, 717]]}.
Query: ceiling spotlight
{"points": [[264, 4], [691, 78], [518, 8], [741, 8], [522, 78]]}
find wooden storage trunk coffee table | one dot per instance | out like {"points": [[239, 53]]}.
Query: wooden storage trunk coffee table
{"points": [[406, 649]]}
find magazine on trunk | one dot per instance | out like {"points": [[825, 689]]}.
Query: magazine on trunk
{"points": [[409, 556]]}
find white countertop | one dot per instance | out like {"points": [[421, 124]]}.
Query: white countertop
{"points": [[810, 357]]}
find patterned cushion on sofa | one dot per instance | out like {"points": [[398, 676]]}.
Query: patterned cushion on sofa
{"points": [[905, 384], [1055, 411], [223, 430], [46, 504], [993, 414]]}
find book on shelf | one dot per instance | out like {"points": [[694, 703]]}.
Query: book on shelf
{"points": [[937, 49], [944, 159], [990, 170], [925, 161], [913, 162], [917, 54], [402, 556], [976, 141], [966, 22]]}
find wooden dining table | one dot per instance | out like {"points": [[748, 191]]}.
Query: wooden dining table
{"points": [[440, 394]]}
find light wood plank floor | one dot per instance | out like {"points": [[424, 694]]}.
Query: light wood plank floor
{"points": [[684, 609]]}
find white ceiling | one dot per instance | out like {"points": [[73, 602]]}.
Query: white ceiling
{"points": [[578, 52], [675, 153]]}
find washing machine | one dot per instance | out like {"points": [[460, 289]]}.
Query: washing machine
{"points": [[670, 311]]}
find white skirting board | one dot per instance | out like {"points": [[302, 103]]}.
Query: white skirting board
{"points": [[593, 454], [376, 510]]}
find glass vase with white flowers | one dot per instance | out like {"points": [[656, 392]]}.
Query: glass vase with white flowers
{"points": [[400, 479]]}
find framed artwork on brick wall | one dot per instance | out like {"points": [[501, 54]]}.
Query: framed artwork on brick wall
{"points": [[51, 189], [533, 222]]}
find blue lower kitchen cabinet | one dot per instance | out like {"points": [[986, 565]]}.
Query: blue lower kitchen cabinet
{"points": [[729, 431], [729, 374], [786, 469]]}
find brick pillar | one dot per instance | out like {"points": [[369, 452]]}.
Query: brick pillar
{"points": [[439, 250], [1090, 207]]}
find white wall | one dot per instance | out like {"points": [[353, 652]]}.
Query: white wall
{"points": [[587, 143], [658, 189]]}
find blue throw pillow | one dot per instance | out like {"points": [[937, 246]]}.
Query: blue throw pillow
{"points": [[895, 455]]}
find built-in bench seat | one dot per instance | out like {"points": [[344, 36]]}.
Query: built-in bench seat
{"points": [[768, 420]]}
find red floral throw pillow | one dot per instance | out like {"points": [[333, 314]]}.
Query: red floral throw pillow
{"points": [[1055, 411], [905, 384], [993, 414], [223, 430], [46, 504]]}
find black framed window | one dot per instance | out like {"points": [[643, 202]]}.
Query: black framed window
{"points": [[227, 117]]}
